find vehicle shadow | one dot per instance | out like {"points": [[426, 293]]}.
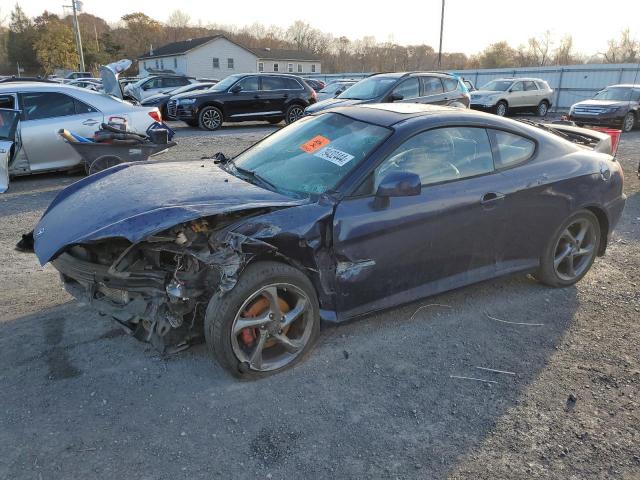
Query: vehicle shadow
{"points": [[404, 393]]}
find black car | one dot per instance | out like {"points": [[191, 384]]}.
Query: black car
{"points": [[616, 106], [408, 87], [342, 214], [160, 100], [245, 97]]}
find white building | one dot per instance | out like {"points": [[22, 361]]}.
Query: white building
{"points": [[218, 57]]}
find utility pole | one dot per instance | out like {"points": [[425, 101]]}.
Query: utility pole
{"points": [[441, 28], [76, 5]]}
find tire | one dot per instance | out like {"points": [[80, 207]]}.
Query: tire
{"points": [[293, 113], [628, 122], [223, 315], [210, 118], [555, 275], [542, 109], [102, 163], [502, 108]]}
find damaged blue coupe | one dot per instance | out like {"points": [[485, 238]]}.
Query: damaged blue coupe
{"points": [[338, 215]]}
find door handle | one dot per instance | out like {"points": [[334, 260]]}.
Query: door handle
{"points": [[90, 122], [256, 96], [491, 197]]}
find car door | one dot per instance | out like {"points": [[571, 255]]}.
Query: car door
{"points": [[532, 94], [432, 90], [516, 95], [408, 91], [447, 236], [151, 87], [43, 114], [274, 95], [244, 99], [8, 125]]}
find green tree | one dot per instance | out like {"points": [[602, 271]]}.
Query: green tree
{"points": [[54, 44], [497, 55], [141, 32], [20, 40]]}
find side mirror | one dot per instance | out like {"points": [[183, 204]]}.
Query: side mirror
{"points": [[236, 89], [394, 97], [338, 92], [397, 184]]}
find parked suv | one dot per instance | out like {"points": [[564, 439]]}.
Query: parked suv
{"points": [[145, 87], [504, 95], [615, 106], [244, 97], [409, 87]]}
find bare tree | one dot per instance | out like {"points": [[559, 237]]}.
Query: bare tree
{"points": [[178, 23], [625, 50]]}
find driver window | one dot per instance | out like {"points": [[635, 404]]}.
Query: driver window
{"points": [[249, 84], [408, 89], [517, 87], [441, 155]]}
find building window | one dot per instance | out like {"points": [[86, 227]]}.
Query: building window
{"points": [[230, 63], [216, 62], [290, 68], [157, 64], [299, 68], [276, 67], [175, 62], [313, 68], [145, 64], [162, 63], [260, 66]]}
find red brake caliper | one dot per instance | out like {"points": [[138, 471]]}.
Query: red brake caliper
{"points": [[249, 335]]}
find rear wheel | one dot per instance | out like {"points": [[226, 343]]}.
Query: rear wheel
{"points": [[210, 118], [501, 108], [543, 108], [571, 252], [294, 112], [629, 122], [266, 323]]}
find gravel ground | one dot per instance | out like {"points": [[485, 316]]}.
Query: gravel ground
{"points": [[376, 399]]}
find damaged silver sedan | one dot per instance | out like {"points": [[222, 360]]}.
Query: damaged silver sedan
{"points": [[338, 215]]}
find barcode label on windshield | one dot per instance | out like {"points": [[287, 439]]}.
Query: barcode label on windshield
{"points": [[334, 155]]}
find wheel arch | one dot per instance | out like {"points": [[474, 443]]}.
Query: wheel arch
{"points": [[603, 223], [212, 103]]}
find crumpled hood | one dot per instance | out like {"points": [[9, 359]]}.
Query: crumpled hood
{"points": [[135, 200], [333, 102]]}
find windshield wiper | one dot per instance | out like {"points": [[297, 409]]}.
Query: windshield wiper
{"points": [[255, 176]]}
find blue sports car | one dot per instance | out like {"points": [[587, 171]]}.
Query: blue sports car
{"points": [[340, 214]]}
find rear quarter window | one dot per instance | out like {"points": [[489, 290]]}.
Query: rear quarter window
{"points": [[291, 84], [449, 84], [511, 149]]}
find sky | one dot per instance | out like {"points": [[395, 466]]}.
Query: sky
{"points": [[470, 26]]}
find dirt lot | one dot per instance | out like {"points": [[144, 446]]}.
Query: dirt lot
{"points": [[376, 399]]}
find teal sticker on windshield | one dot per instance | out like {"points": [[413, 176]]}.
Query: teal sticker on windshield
{"points": [[335, 156]]}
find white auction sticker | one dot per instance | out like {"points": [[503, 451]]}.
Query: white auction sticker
{"points": [[334, 155]]}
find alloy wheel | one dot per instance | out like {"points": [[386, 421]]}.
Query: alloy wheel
{"points": [[295, 113], [629, 121], [211, 119], [542, 109], [501, 109], [575, 249], [272, 327]]}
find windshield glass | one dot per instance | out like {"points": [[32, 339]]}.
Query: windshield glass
{"points": [[497, 85], [226, 83], [619, 94], [313, 154], [369, 88]]}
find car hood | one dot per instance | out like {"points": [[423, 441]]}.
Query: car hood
{"points": [[158, 97], [602, 103], [333, 102], [135, 200], [195, 94]]}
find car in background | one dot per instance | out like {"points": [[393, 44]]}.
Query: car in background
{"points": [[616, 106], [317, 85], [160, 100], [94, 84], [341, 214], [155, 84], [76, 75], [405, 87], [48, 107], [505, 95], [244, 97], [334, 89]]}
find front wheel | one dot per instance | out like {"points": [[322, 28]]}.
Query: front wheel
{"points": [[629, 122], [543, 109], [294, 112], [571, 251], [266, 323], [210, 118]]}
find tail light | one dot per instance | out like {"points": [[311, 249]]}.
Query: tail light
{"points": [[314, 95], [155, 114]]}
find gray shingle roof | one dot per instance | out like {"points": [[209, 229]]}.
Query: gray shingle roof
{"points": [[177, 48]]}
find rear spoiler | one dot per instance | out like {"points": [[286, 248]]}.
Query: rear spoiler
{"points": [[592, 139]]}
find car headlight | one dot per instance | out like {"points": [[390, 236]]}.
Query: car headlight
{"points": [[186, 101], [613, 109]]}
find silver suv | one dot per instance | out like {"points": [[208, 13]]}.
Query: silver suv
{"points": [[504, 95]]}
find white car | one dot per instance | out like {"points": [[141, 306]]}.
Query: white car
{"points": [[46, 108], [148, 86], [504, 95]]}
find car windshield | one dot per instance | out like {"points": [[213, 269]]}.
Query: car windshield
{"points": [[497, 85], [333, 88], [619, 94], [312, 155], [369, 88], [226, 83]]}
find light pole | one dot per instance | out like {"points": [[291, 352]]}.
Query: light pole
{"points": [[76, 6], [441, 27]]}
